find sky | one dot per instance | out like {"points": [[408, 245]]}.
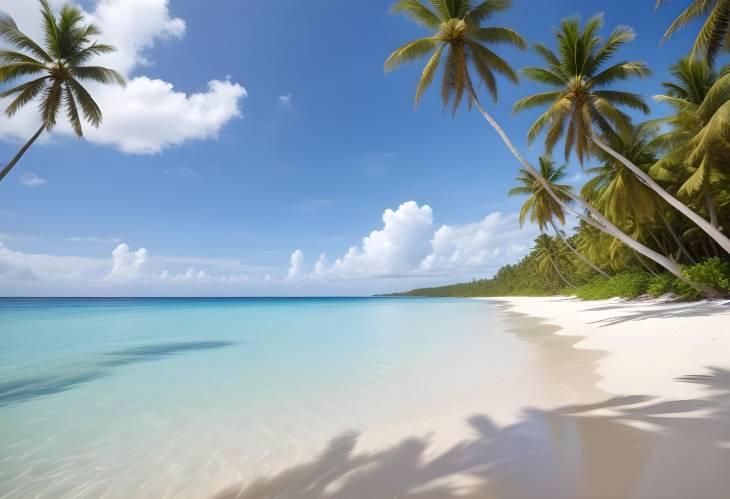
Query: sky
{"points": [[259, 149]]}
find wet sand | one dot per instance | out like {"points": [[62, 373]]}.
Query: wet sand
{"points": [[650, 418]]}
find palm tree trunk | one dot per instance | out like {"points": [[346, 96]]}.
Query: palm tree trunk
{"points": [[583, 259], [676, 238], [712, 210], [596, 219], [712, 231], [10, 165], [643, 263], [658, 242], [559, 274]]}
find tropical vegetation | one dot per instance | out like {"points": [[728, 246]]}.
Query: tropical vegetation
{"points": [[53, 71], [654, 211]]}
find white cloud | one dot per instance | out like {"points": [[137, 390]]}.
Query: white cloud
{"points": [[18, 266], [407, 245], [391, 251], [32, 180], [284, 101], [475, 245], [127, 265], [296, 264], [147, 115], [126, 269]]}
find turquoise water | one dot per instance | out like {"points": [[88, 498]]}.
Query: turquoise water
{"points": [[181, 397]]}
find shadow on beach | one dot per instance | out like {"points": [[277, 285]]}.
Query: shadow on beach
{"points": [[622, 447]]}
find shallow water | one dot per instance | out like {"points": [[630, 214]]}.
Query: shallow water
{"points": [[182, 397]]}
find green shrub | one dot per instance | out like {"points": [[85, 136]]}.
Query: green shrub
{"points": [[661, 284], [629, 284], [713, 272]]}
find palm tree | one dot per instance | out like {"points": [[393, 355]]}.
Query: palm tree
{"points": [[714, 36], [456, 27], [579, 103], [541, 207], [68, 46], [619, 194], [547, 254], [697, 144]]}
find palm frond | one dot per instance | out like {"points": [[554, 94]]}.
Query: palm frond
{"points": [[50, 103], [495, 62], [486, 9], [416, 12], [429, 71], [496, 34], [9, 32], [98, 74], [628, 99], [89, 107], [72, 112], [16, 69], [544, 76], [410, 52], [26, 93], [535, 100], [621, 71]]}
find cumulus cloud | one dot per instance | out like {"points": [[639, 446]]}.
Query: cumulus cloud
{"points": [[391, 251], [475, 245], [148, 114], [296, 265], [127, 265], [408, 245], [32, 180]]}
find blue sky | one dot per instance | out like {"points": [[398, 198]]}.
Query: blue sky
{"points": [[308, 157]]}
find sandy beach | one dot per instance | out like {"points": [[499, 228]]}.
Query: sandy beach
{"points": [[649, 417]]}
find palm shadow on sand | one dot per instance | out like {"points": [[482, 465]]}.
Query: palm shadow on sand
{"points": [[623, 447]]}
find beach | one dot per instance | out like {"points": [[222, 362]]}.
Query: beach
{"points": [[652, 421], [364, 398]]}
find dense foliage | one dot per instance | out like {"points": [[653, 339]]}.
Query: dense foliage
{"points": [[526, 279]]}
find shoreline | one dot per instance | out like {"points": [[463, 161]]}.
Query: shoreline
{"points": [[648, 344], [640, 410]]}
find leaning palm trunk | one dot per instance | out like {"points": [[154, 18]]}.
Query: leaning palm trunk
{"points": [[680, 244], [583, 259], [17, 157], [708, 227], [596, 219], [555, 266]]}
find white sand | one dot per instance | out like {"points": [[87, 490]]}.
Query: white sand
{"points": [[649, 344], [604, 444]]}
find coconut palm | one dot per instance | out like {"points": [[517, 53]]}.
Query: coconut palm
{"points": [[698, 142], [547, 254], [580, 106], [540, 207], [53, 71], [714, 36], [456, 25], [619, 194]]}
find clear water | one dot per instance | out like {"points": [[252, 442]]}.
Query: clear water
{"points": [[180, 397]]}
